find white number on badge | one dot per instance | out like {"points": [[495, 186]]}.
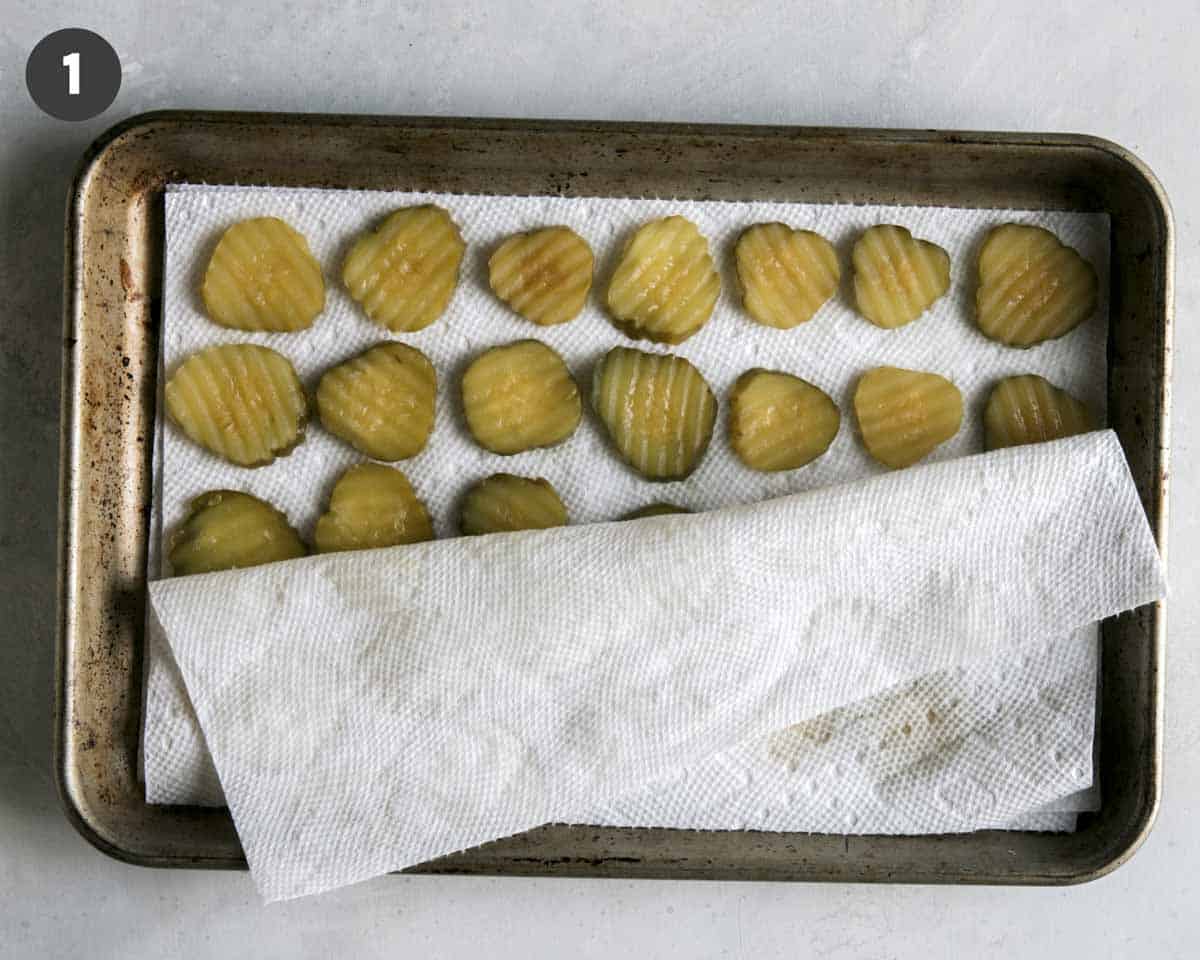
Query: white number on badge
{"points": [[71, 62]]}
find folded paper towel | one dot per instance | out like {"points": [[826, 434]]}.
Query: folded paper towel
{"points": [[370, 711]]}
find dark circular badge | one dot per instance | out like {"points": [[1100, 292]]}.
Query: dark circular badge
{"points": [[73, 74]]}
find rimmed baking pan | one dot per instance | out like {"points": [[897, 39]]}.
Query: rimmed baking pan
{"points": [[114, 252]]}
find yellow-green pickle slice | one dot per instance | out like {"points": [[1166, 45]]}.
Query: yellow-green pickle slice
{"points": [[780, 422], [503, 503], [666, 285], [372, 506], [786, 275], [520, 396], [544, 275], [404, 272], [904, 415], [658, 411], [655, 510], [263, 277], [240, 401], [1032, 287], [227, 529], [380, 402], [1030, 409], [896, 276]]}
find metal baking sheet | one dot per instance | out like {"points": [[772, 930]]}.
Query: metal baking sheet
{"points": [[112, 291]]}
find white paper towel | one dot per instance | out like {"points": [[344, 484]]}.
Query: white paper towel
{"points": [[370, 711], [984, 745], [831, 350], [950, 728]]}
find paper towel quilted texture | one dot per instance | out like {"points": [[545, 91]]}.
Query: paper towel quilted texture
{"points": [[992, 744], [831, 351], [370, 711], [965, 729]]}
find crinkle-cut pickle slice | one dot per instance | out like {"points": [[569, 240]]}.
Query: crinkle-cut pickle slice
{"points": [[381, 402], [262, 276], [503, 502], [240, 401], [1032, 287], [662, 509], [896, 276], [779, 422], [657, 408], [404, 272], [544, 275], [904, 414], [520, 396], [666, 285], [225, 529], [785, 275], [1030, 409], [372, 506]]}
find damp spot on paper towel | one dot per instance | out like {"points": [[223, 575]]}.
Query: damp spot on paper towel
{"points": [[790, 745]]}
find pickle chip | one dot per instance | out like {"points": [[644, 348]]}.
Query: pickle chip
{"points": [[544, 275], [520, 396], [240, 401], [404, 272], [655, 510], [1031, 286], [262, 276], [372, 506], [380, 402], [785, 275], [225, 529], [657, 408], [896, 276], [503, 502], [666, 285], [904, 414], [1030, 409], [780, 422]]}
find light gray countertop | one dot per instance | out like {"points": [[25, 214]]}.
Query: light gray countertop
{"points": [[1110, 70]]}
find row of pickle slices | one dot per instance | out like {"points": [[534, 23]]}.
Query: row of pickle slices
{"points": [[245, 403], [263, 277]]}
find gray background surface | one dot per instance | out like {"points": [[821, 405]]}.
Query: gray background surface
{"points": [[1108, 69]]}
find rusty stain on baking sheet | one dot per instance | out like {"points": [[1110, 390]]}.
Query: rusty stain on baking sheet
{"points": [[113, 284]]}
